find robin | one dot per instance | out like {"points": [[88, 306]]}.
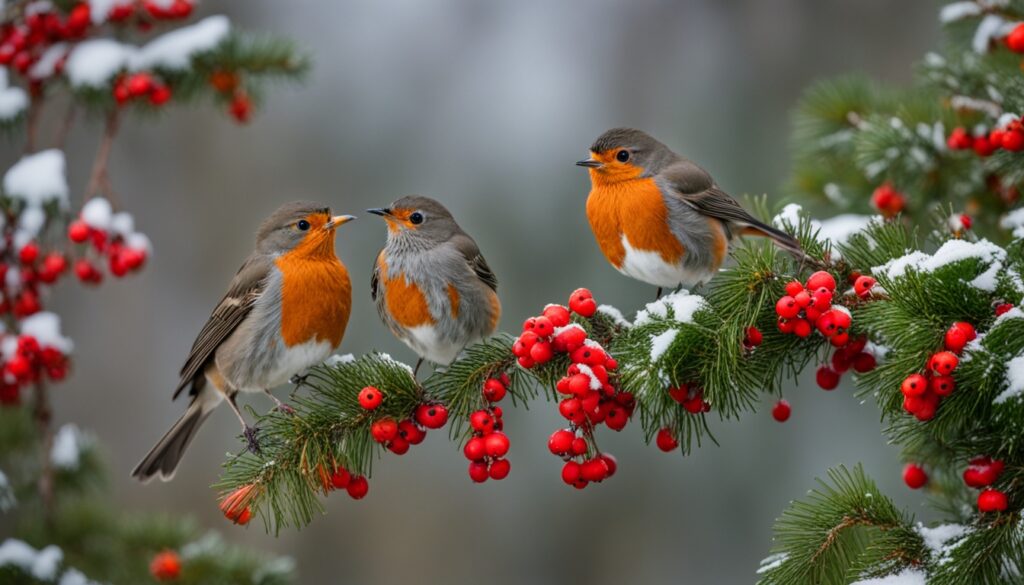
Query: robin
{"points": [[285, 311], [660, 218], [432, 287]]}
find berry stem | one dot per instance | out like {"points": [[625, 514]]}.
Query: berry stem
{"points": [[99, 180]]}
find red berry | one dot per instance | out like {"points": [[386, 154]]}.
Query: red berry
{"points": [[803, 299], [358, 487], [494, 390], [752, 337], [139, 84], [499, 469], [28, 253], [781, 411], [160, 95], [340, 478], [983, 146], [914, 476], [496, 444], [19, 366], [787, 308], [944, 362], [541, 352], [384, 430], [959, 139], [78, 231], [560, 442], [475, 449], [942, 385], [570, 339], [398, 445], [579, 446], [864, 362], [785, 325], [821, 279], [557, 314], [543, 327], [481, 421], [240, 108], [801, 328], [955, 339], [1015, 40], [432, 416], [610, 463], [665, 441], [914, 385], [571, 472], [581, 301], [594, 470], [863, 286], [616, 418], [165, 566], [1013, 140], [680, 394], [822, 300], [794, 288], [982, 472], [1003, 308], [370, 398], [992, 501], [828, 379]]}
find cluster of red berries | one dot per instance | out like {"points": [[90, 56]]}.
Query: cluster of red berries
{"points": [[1002, 308], [397, 437], [138, 86], [487, 448], [805, 307], [165, 566], [28, 363], [341, 479], [691, 398], [553, 332], [1009, 136], [887, 200], [981, 473], [227, 84], [33, 268], [123, 254], [22, 44], [853, 356], [922, 392]]}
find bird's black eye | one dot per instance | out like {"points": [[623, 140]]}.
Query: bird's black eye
{"points": [[622, 155], [303, 225], [416, 218]]}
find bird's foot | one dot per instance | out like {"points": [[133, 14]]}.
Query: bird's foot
{"points": [[298, 379], [284, 408], [252, 439]]}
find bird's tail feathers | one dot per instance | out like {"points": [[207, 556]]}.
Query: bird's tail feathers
{"points": [[782, 240], [163, 459]]}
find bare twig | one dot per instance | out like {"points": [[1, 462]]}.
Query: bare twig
{"points": [[65, 128], [99, 180], [35, 109]]}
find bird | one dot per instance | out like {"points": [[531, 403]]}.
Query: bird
{"points": [[431, 285], [285, 311], [659, 217]]}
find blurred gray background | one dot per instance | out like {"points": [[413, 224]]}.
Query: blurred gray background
{"points": [[484, 106]]}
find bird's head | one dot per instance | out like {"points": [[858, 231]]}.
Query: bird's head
{"points": [[418, 221], [623, 154], [300, 226]]}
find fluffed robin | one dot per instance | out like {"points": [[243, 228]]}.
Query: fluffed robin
{"points": [[660, 218], [285, 311], [432, 287]]}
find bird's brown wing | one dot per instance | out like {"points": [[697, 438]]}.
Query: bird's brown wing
{"points": [[246, 287], [477, 263], [375, 277], [695, 187]]}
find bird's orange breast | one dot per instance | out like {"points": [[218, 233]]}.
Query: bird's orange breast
{"points": [[316, 299], [404, 300], [634, 208]]}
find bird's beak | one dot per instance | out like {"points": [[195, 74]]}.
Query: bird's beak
{"points": [[381, 211], [338, 220], [590, 163]]}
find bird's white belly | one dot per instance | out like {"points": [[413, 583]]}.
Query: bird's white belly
{"points": [[428, 343], [650, 267], [299, 358]]}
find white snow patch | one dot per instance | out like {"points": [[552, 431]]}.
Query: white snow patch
{"points": [[175, 49], [595, 382], [937, 539], [339, 360], [904, 577], [614, 314], [95, 62], [139, 241], [988, 29], [387, 358], [1014, 220], [68, 444], [38, 178], [958, 11], [840, 228], [13, 100], [683, 305], [949, 253], [97, 213], [772, 562], [41, 564], [1014, 380], [122, 223], [99, 10], [45, 327], [661, 342], [46, 65], [790, 215]]}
